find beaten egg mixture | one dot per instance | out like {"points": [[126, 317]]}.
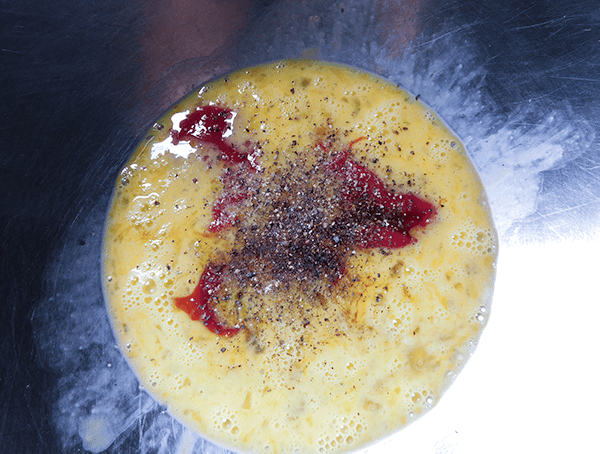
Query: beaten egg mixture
{"points": [[259, 279]]}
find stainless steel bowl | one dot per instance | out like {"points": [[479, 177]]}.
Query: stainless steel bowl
{"points": [[517, 81]]}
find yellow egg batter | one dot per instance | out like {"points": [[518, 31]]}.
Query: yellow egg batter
{"points": [[320, 363]]}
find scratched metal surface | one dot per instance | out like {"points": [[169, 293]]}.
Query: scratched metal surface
{"points": [[517, 80]]}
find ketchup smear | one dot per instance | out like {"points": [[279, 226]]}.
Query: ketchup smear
{"points": [[222, 217], [199, 305], [211, 124], [384, 218]]}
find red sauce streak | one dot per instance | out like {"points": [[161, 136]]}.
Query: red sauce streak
{"points": [[386, 217], [223, 217], [199, 305], [211, 124]]}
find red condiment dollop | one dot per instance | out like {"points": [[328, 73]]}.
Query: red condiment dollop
{"points": [[200, 304], [386, 217], [211, 124]]}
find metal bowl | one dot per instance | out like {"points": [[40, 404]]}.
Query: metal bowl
{"points": [[517, 81]]}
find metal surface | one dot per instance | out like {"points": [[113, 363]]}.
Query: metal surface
{"points": [[517, 80]]}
